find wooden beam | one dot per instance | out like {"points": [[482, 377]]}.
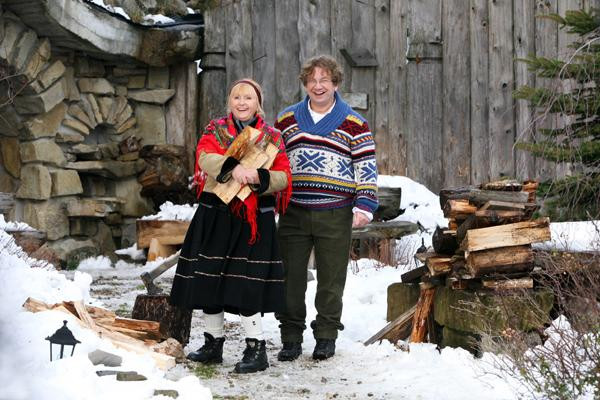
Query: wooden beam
{"points": [[516, 234]]}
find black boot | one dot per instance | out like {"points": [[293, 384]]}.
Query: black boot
{"points": [[290, 351], [324, 349], [211, 352], [255, 357]]}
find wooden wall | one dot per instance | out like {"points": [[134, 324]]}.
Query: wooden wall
{"points": [[439, 100]]}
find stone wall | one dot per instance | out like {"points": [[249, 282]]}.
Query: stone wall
{"points": [[62, 118]]}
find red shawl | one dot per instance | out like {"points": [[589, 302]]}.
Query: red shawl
{"points": [[212, 142]]}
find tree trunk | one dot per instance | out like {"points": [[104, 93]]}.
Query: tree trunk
{"points": [[174, 322]]}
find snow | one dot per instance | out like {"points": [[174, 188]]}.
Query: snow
{"points": [[380, 371], [573, 236], [170, 211]]}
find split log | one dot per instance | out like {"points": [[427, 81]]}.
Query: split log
{"points": [[157, 249], [479, 197], [459, 209], [502, 205], [508, 284], [167, 232], [439, 265], [516, 234], [508, 185], [444, 241], [398, 329], [498, 217], [500, 260], [413, 276], [174, 322], [531, 188], [423, 309], [271, 151]]}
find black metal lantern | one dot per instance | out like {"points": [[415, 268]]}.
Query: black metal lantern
{"points": [[63, 337]]}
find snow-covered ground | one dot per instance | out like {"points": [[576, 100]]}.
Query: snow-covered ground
{"points": [[380, 371]]}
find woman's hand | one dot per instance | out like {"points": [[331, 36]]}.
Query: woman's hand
{"points": [[244, 176]]}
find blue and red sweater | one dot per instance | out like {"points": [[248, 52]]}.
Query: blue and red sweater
{"points": [[333, 161]]}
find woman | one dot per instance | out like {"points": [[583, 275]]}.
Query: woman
{"points": [[230, 257]]}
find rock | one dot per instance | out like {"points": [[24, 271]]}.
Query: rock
{"points": [[76, 111], [106, 372], [109, 150], [9, 148], [170, 347], [466, 340], [136, 205], [158, 78], [400, 298], [156, 96], [128, 233], [48, 76], [36, 183], [136, 82], [45, 253], [491, 312], [37, 61], [72, 251], [72, 92], [123, 116], [108, 168], [65, 182], [151, 124], [98, 357], [68, 135], [130, 123], [118, 105], [76, 125], [10, 121], [87, 67], [13, 29], [105, 103], [43, 102], [83, 226], [89, 110], [122, 71], [86, 152], [104, 241], [130, 376], [95, 108], [169, 393], [93, 207], [7, 183], [121, 90], [48, 216], [95, 85], [45, 125], [42, 150], [25, 46]]}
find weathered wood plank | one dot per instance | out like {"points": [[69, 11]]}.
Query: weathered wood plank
{"points": [[287, 64], [167, 232], [546, 42], [341, 38], [263, 52], [479, 110], [398, 329], [501, 82], [516, 234], [524, 46], [239, 40], [313, 28], [213, 79], [456, 138], [363, 38], [380, 125], [397, 89]]}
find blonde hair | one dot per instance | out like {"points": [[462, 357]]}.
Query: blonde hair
{"points": [[244, 87]]}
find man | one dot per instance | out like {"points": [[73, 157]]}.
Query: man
{"points": [[332, 158]]}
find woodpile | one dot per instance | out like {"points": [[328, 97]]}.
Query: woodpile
{"points": [[486, 248], [139, 336]]}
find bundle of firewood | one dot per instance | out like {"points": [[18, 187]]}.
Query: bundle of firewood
{"points": [[487, 243]]}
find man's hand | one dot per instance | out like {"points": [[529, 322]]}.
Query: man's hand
{"points": [[359, 219], [244, 175]]}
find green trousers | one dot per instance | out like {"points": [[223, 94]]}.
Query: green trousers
{"points": [[329, 232]]}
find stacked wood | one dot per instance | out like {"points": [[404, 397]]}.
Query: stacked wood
{"points": [[160, 237], [139, 336]]}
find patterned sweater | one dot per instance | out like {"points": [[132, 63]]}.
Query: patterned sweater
{"points": [[332, 161]]}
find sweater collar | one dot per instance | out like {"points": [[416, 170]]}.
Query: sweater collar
{"points": [[327, 124]]}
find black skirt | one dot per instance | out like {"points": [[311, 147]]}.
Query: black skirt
{"points": [[218, 269]]}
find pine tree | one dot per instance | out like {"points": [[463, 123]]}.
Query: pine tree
{"points": [[575, 99]]}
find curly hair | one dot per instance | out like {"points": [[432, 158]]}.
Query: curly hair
{"points": [[327, 63]]}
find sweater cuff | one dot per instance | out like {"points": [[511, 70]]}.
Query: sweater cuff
{"points": [[226, 170], [264, 177]]}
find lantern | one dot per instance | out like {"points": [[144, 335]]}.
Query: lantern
{"points": [[62, 337]]}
